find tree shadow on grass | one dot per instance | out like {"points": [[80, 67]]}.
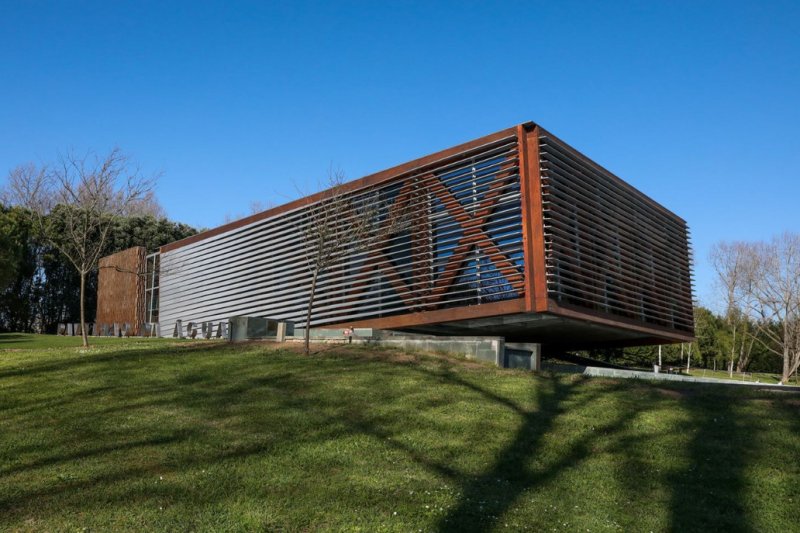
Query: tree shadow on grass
{"points": [[487, 497], [254, 405], [711, 493], [93, 461], [498, 486], [12, 337], [734, 467]]}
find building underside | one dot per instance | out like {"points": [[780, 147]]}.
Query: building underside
{"points": [[515, 234], [553, 331]]}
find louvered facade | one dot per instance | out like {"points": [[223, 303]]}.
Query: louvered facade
{"points": [[513, 234]]}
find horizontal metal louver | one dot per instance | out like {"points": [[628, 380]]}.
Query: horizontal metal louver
{"points": [[608, 247], [462, 245]]}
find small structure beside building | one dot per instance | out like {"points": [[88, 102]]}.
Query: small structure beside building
{"points": [[121, 284]]}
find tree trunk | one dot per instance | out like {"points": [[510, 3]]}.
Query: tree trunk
{"points": [[739, 362], [689, 359], [787, 366], [307, 336], [84, 336], [744, 354], [733, 352]]}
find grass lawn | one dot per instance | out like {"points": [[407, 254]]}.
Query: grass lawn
{"points": [[761, 377], [26, 341], [156, 435]]}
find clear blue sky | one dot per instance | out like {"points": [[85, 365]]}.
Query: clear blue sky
{"points": [[695, 103]]}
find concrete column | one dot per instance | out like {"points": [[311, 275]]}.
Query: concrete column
{"points": [[524, 355], [536, 359], [281, 335]]}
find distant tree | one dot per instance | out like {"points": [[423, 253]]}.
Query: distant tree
{"points": [[771, 295], [731, 262], [75, 204], [10, 247], [18, 288], [706, 330], [147, 206], [147, 231], [45, 289], [255, 206]]}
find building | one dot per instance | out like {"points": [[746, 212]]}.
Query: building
{"points": [[514, 234], [121, 292]]}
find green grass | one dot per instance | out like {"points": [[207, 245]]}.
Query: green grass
{"points": [[29, 341], [157, 435], [761, 377]]}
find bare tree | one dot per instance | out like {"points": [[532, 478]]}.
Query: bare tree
{"points": [[254, 207], [257, 206], [339, 226], [75, 203], [772, 296], [732, 264], [146, 206]]}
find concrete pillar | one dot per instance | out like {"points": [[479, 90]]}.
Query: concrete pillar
{"points": [[524, 355], [281, 335], [536, 359]]}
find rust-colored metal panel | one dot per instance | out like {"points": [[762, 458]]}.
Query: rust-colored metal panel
{"points": [[538, 281], [527, 228], [120, 289]]}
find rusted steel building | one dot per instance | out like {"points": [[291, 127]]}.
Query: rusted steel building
{"points": [[514, 234]]}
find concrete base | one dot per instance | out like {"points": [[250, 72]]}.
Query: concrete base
{"points": [[488, 349], [527, 355], [243, 328], [481, 348]]}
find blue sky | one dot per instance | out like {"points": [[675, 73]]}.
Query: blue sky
{"points": [[695, 103]]}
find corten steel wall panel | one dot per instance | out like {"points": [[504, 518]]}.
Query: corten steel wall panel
{"points": [[120, 289], [610, 251], [460, 246], [534, 217]]}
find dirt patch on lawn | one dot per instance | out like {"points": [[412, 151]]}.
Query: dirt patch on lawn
{"points": [[677, 394]]}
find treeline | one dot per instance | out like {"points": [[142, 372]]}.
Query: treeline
{"points": [[40, 288], [716, 346]]}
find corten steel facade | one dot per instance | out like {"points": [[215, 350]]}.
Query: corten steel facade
{"points": [[512, 234], [121, 290]]}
